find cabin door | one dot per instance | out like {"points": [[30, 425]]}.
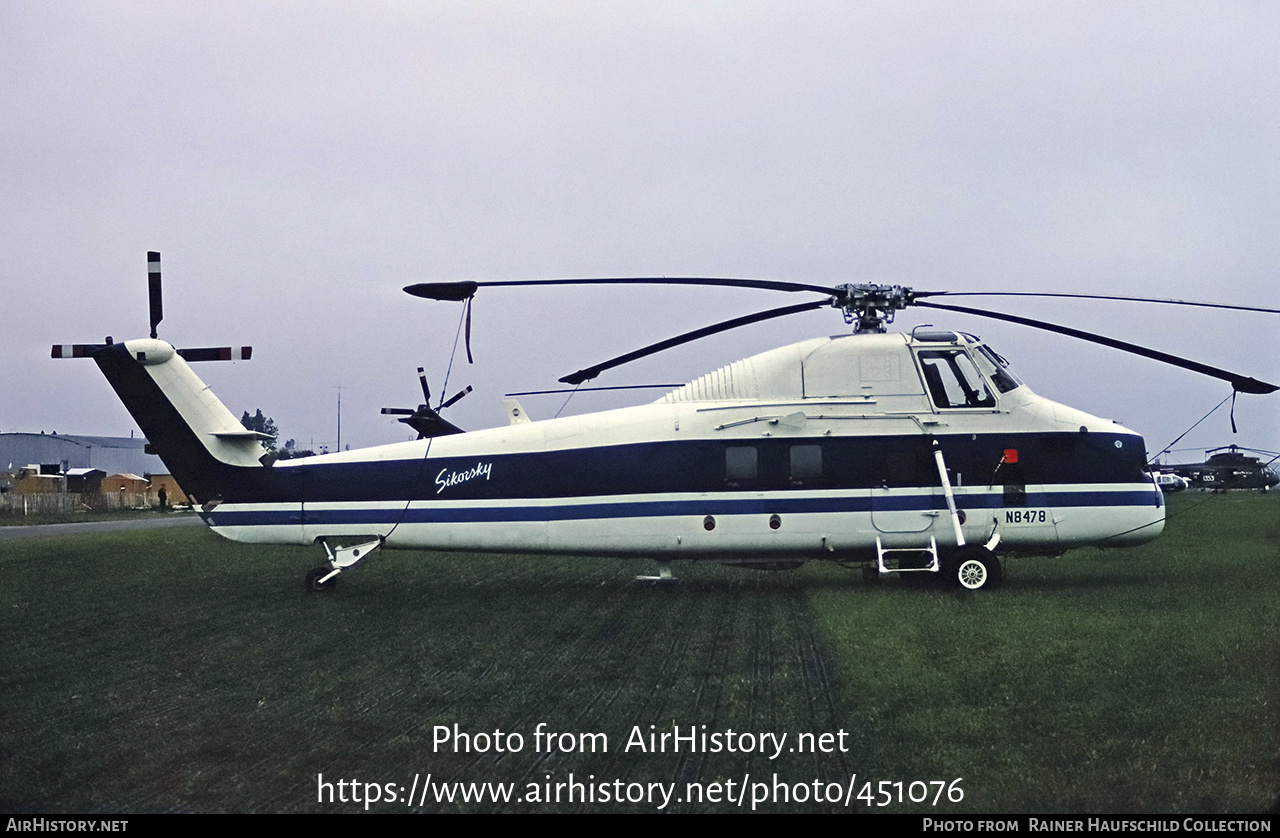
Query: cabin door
{"points": [[907, 496]]}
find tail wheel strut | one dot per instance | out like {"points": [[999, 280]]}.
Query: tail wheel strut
{"points": [[324, 579]]}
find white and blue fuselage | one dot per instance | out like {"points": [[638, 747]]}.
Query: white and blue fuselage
{"points": [[822, 449]]}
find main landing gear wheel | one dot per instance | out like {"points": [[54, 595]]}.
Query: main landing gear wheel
{"points": [[312, 580], [974, 568]]}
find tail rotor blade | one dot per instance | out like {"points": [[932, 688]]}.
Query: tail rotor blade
{"points": [[153, 289], [75, 350], [218, 353]]}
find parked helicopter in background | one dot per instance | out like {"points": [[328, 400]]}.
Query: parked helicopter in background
{"points": [[1229, 467], [909, 453], [1170, 483]]}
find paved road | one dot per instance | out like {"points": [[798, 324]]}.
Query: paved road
{"points": [[174, 520]]}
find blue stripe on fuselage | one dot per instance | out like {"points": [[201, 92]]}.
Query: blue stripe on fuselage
{"points": [[664, 508], [699, 466]]}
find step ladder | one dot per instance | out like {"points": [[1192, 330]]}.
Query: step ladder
{"points": [[932, 550], [885, 567]]}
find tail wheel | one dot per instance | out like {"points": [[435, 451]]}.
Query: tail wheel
{"points": [[312, 580], [974, 568]]}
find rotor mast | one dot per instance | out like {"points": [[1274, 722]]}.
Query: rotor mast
{"points": [[870, 307]]}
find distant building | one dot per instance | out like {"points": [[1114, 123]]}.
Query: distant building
{"points": [[86, 481], [172, 491], [30, 482], [124, 483], [111, 454]]}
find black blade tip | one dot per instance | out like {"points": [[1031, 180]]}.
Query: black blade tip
{"points": [[576, 378], [448, 291], [1253, 385]]}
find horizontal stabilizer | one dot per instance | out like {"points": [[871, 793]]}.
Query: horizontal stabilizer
{"points": [[241, 434]]}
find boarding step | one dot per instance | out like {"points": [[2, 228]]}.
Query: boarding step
{"points": [[890, 559]]}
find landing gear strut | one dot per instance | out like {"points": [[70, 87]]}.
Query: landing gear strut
{"points": [[325, 579]]}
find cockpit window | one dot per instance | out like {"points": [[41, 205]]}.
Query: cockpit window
{"points": [[953, 379], [997, 369]]}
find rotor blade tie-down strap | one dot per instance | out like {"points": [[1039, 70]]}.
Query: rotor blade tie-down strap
{"points": [[1165, 450], [470, 360]]}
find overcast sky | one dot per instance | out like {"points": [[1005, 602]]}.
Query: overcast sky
{"points": [[298, 163]]}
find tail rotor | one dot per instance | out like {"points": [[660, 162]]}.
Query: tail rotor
{"points": [[144, 349]]}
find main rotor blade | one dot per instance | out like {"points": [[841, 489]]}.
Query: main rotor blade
{"points": [[463, 290], [1241, 383], [591, 372], [1093, 297], [596, 389]]}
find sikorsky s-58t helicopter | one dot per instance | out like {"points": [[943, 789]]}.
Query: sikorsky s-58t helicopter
{"points": [[916, 453]]}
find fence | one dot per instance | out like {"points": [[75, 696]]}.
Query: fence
{"points": [[43, 503]]}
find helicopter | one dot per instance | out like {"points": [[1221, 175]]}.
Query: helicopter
{"points": [[1229, 468], [915, 454], [1170, 483]]}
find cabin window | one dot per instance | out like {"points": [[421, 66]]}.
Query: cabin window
{"points": [[1015, 484], [907, 468], [997, 369], [1015, 493], [953, 380], [741, 463], [806, 463]]}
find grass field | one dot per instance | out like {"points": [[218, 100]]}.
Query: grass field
{"points": [[169, 670]]}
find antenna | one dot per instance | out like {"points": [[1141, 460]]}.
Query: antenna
{"points": [[339, 388]]}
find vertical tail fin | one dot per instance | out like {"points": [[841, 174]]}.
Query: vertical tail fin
{"points": [[198, 438]]}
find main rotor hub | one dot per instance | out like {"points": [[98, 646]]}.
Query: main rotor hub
{"points": [[870, 308]]}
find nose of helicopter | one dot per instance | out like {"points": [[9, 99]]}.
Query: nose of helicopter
{"points": [[1142, 522]]}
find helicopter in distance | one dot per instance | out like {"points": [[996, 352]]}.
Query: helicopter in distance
{"points": [[1229, 467], [917, 454]]}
